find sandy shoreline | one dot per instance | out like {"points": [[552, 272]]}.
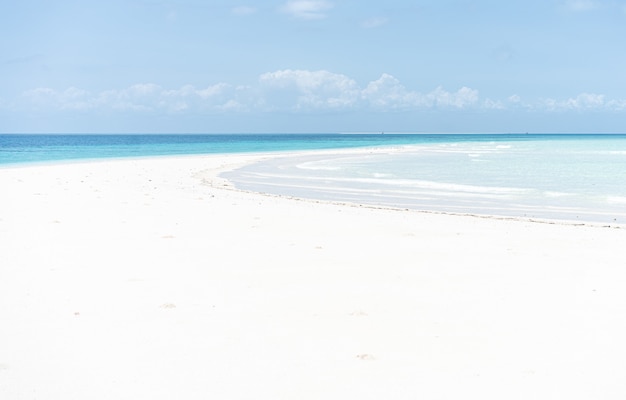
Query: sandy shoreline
{"points": [[145, 278]]}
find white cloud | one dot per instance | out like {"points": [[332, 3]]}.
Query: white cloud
{"points": [[294, 91], [142, 97], [588, 100], [139, 97], [142, 90], [301, 89], [584, 101], [493, 104], [69, 99], [231, 105], [307, 9], [516, 102], [188, 97], [581, 102], [388, 93], [286, 90], [514, 99], [459, 99]]}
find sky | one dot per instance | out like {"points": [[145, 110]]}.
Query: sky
{"points": [[291, 66]]}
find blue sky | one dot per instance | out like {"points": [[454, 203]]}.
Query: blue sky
{"points": [[312, 66]]}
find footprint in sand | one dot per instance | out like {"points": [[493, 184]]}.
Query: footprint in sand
{"points": [[358, 313]]}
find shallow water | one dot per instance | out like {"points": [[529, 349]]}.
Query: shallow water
{"points": [[566, 177], [574, 178]]}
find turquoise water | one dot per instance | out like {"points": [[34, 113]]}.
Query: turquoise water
{"points": [[16, 149], [565, 177]]}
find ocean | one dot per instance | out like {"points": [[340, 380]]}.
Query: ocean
{"points": [[37, 148], [580, 178]]}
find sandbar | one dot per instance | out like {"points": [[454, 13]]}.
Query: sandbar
{"points": [[155, 279]]}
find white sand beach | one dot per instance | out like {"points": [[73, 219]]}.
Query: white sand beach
{"points": [[153, 279]]}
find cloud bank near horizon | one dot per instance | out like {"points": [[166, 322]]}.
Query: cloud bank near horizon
{"points": [[293, 91]]}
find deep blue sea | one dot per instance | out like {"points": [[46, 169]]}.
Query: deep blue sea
{"points": [[564, 177]]}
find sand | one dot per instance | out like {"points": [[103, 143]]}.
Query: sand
{"points": [[153, 279]]}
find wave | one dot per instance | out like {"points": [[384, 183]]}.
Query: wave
{"points": [[383, 181], [616, 200]]}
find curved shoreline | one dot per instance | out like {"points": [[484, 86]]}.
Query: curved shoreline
{"points": [[134, 278], [267, 176], [228, 162]]}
